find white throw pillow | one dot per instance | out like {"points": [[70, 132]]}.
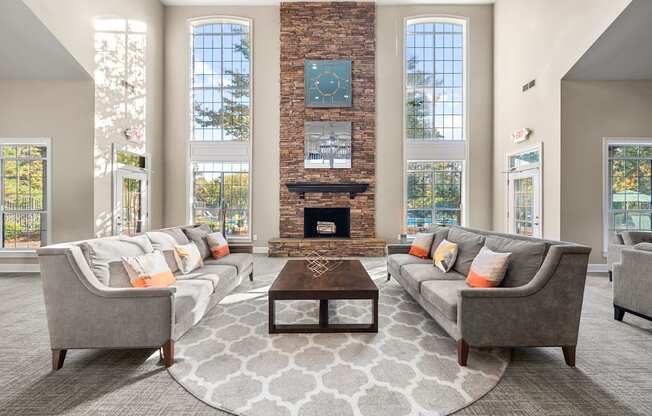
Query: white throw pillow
{"points": [[445, 255], [189, 256], [488, 268]]}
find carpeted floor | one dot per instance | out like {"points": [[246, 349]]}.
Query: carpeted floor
{"points": [[230, 361], [613, 374]]}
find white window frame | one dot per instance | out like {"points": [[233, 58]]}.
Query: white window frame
{"points": [[606, 142], [219, 151], [117, 167], [436, 150], [47, 142], [508, 170]]}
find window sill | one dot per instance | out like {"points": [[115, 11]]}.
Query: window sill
{"points": [[9, 253]]}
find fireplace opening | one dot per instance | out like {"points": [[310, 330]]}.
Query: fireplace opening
{"points": [[326, 222]]}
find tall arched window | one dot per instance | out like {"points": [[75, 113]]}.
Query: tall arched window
{"points": [[220, 133], [435, 121]]}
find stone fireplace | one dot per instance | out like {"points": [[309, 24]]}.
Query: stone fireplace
{"points": [[327, 31]]}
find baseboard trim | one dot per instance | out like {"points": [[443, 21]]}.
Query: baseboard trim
{"points": [[261, 250], [19, 268], [598, 268]]}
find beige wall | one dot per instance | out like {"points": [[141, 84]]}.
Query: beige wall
{"points": [[389, 116], [62, 111], [591, 111], [266, 100], [538, 39], [72, 22]]}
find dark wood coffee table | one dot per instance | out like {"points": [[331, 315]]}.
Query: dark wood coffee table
{"points": [[349, 280]]}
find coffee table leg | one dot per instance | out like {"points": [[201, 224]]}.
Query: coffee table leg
{"points": [[375, 314], [323, 313], [271, 313]]}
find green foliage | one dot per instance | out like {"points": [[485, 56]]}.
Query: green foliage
{"points": [[233, 116], [417, 101], [208, 201]]}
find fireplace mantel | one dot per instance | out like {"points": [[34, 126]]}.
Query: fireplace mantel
{"points": [[351, 188]]}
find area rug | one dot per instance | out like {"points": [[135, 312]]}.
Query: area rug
{"points": [[409, 367]]}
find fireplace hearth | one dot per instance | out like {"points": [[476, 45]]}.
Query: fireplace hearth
{"points": [[327, 222]]}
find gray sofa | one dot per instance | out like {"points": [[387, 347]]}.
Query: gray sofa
{"points": [[632, 287], [90, 303], [621, 241], [537, 305]]}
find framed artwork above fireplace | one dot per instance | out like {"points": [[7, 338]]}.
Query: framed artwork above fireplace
{"points": [[327, 144], [327, 83]]}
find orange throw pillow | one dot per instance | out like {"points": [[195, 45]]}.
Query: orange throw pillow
{"points": [[488, 268], [218, 245], [421, 245], [149, 270]]}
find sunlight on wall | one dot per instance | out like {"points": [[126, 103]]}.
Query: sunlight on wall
{"points": [[120, 97]]}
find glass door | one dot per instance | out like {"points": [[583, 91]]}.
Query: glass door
{"points": [[131, 208], [524, 204]]}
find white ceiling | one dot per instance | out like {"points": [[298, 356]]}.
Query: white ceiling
{"points": [[276, 2], [623, 51], [29, 51]]}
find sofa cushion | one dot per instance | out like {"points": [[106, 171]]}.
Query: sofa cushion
{"points": [[525, 260], [177, 234], [415, 274], [631, 238], [241, 261], [104, 256], [198, 236], [443, 295], [441, 233], [397, 261], [468, 246], [191, 298], [218, 275], [165, 243]]}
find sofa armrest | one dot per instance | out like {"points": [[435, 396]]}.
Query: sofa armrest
{"points": [[398, 248], [241, 248], [544, 312], [614, 253]]}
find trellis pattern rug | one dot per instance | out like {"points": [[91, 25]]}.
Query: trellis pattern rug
{"points": [[409, 368]]}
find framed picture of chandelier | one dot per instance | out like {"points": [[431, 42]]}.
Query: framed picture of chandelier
{"points": [[327, 83], [327, 144]]}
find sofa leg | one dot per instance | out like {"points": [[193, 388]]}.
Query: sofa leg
{"points": [[611, 276], [251, 276], [58, 357], [619, 313], [462, 352], [168, 353], [389, 277], [569, 354]]}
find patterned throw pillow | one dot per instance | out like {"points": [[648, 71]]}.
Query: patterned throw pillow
{"points": [[445, 255], [488, 268], [218, 245], [190, 257], [148, 270], [421, 245]]}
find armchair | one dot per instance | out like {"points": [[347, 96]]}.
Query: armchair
{"points": [[632, 288]]}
